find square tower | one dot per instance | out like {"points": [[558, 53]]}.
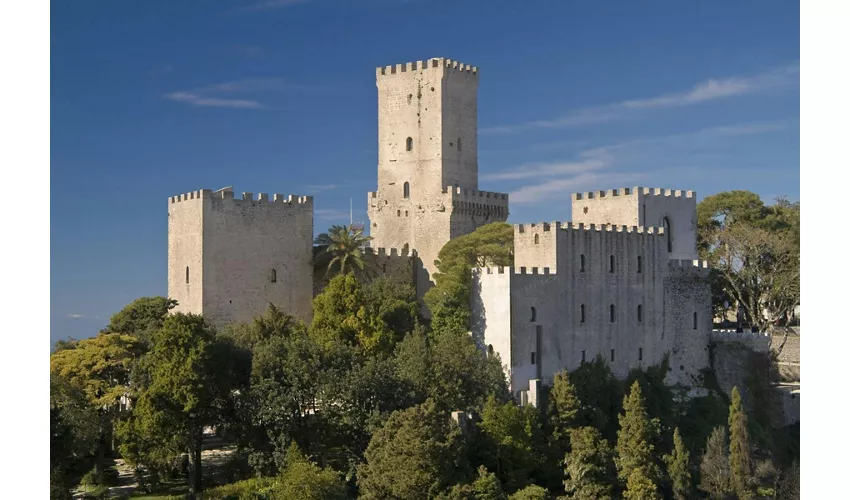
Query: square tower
{"points": [[428, 161], [228, 259], [673, 210]]}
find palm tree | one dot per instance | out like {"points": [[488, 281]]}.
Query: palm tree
{"points": [[340, 251]]}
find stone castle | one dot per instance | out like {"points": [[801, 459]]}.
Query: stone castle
{"points": [[620, 281]]}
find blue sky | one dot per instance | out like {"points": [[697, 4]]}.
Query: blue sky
{"points": [[156, 98]]}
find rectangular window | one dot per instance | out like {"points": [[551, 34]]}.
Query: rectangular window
{"points": [[582, 356], [533, 359], [612, 355], [640, 353]]}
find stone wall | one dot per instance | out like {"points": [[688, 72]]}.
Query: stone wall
{"points": [[788, 359], [248, 253]]}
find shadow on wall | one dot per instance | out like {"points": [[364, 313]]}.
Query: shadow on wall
{"points": [[477, 314]]}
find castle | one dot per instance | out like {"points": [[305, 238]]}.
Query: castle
{"points": [[620, 281]]}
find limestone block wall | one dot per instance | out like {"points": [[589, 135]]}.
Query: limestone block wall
{"points": [[249, 253], [674, 210], [687, 320], [561, 317]]}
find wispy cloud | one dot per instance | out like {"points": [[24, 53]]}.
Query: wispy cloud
{"points": [[79, 316], [216, 95], [708, 90], [320, 187], [604, 165]]}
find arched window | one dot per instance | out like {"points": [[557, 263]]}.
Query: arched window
{"points": [[187, 275], [668, 234], [640, 264], [273, 276], [582, 262], [536, 239], [410, 143], [695, 320], [611, 264], [533, 314], [490, 350], [612, 313], [640, 313], [582, 313], [407, 190], [458, 144]]}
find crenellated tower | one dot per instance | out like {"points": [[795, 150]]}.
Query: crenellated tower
{"points": [[428, 161]]}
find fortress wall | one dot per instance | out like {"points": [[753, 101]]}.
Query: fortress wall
{"points": [[185, 250], [490, 321], [687, 320], [255, 252]]}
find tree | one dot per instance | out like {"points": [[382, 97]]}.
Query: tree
{"points": [[754, 251], [487, 486], [141, 318], [564, 408], [304, 480], [679, 468], [714, 467], [789, 483], [448, 301], [640, 486], [75, 432], [600, 396], [342, 251], [448, 368], [191, 383], [740, 455], [414, 455], [532, 492], [589, 471], [635, 438], [513, 435]]}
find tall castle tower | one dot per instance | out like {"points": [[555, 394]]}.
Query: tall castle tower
{"points": [[428, 161]]}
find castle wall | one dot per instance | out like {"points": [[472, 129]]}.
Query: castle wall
{"points": [[652, 207], [491, 313], [254, 252], [554, 336], [185, 252]]}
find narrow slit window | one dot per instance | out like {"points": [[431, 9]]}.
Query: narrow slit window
{"points": [[582, 313], [458, 144], [668, 234], [695, 320], [533, 314], [187, 275], [612, 313], [640, 264], [612, 355], [611, 264], [582, 263], [407, 190], [273, 276], [410, 143], [640, 313], [582, 356], [533, 358], [490, 350], [536, 239], [640, 353]]}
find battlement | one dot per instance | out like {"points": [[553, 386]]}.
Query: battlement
{"points": [[228, 194], [439, 63], [461, 194], [580, 226], [758, 341], [388, 252], [678, 267], [609, 193], [542, 271]]}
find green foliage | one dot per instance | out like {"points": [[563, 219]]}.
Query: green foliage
{"points": [[448, 301], [141, 318], [564, 408], [589, 471], [640, 486], [304, 480], [600, 395], [679, 468], [514, 436], [346, 312], [532, 492], [487, 486], [341, 252], [249, 489], [740, 455], [274, 323], [714, 467], [450, 369], [635, 438], [700, 417], [394, 303], [75, 431], [414, 455]]}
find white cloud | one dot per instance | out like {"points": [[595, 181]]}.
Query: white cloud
{"points": [[320, 187], [211, 95], [702, 92], [79, 316], [197, 100]]}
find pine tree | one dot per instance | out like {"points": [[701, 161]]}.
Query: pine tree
{"points": [[589, 466], [635, 438], [563, 409], [678, 468], [714, 467], [488, 486], [740, 458], [640, 487]]}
